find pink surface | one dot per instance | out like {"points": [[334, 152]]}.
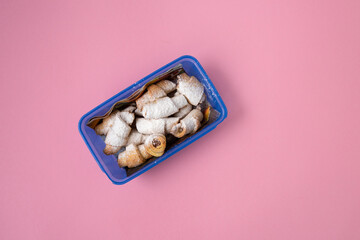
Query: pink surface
{"points": [[283, 165]]}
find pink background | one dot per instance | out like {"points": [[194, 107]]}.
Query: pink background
{"points": [[283, 165]]}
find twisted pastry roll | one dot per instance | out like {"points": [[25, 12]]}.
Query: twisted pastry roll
{"points": [[127, 117], [150, 126], [160, 108], [143, 152], [170, 123], [153, 92], [136, 138], [190, 124], [156, 126], [183, 111], [191, 88], [134, 156], [117, 136], [131, 157], [179, 100], [104, 127], [155, 145], [113, 143], [166, 85]]}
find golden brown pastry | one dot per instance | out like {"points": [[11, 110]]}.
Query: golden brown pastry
{"points": [[166, 85], [131, 157], [155, 145], [143, 152], [153, 92]]}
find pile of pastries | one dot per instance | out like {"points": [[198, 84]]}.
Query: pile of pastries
{"points": [[138, 132]]}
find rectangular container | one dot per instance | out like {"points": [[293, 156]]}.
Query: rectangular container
{"points": [[108, 163]]}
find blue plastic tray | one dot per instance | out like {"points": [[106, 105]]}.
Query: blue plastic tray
{"points": [[108, 163]]}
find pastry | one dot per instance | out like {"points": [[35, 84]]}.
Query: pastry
{"points": [[150, 126], [128, 117], [143, 152], [190, 124], [103, 128], [170, 123], [117, 136], [191, 88], [179, 100], [166, 85], [183, 111], [155, 145], [153, 92], [136, 138], [160, 108], [131, 157]]}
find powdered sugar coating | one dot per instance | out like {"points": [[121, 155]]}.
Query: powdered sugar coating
{"points": [[160, 108], [150, 126], [179, 100], [191, 88], [166, 85]]}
